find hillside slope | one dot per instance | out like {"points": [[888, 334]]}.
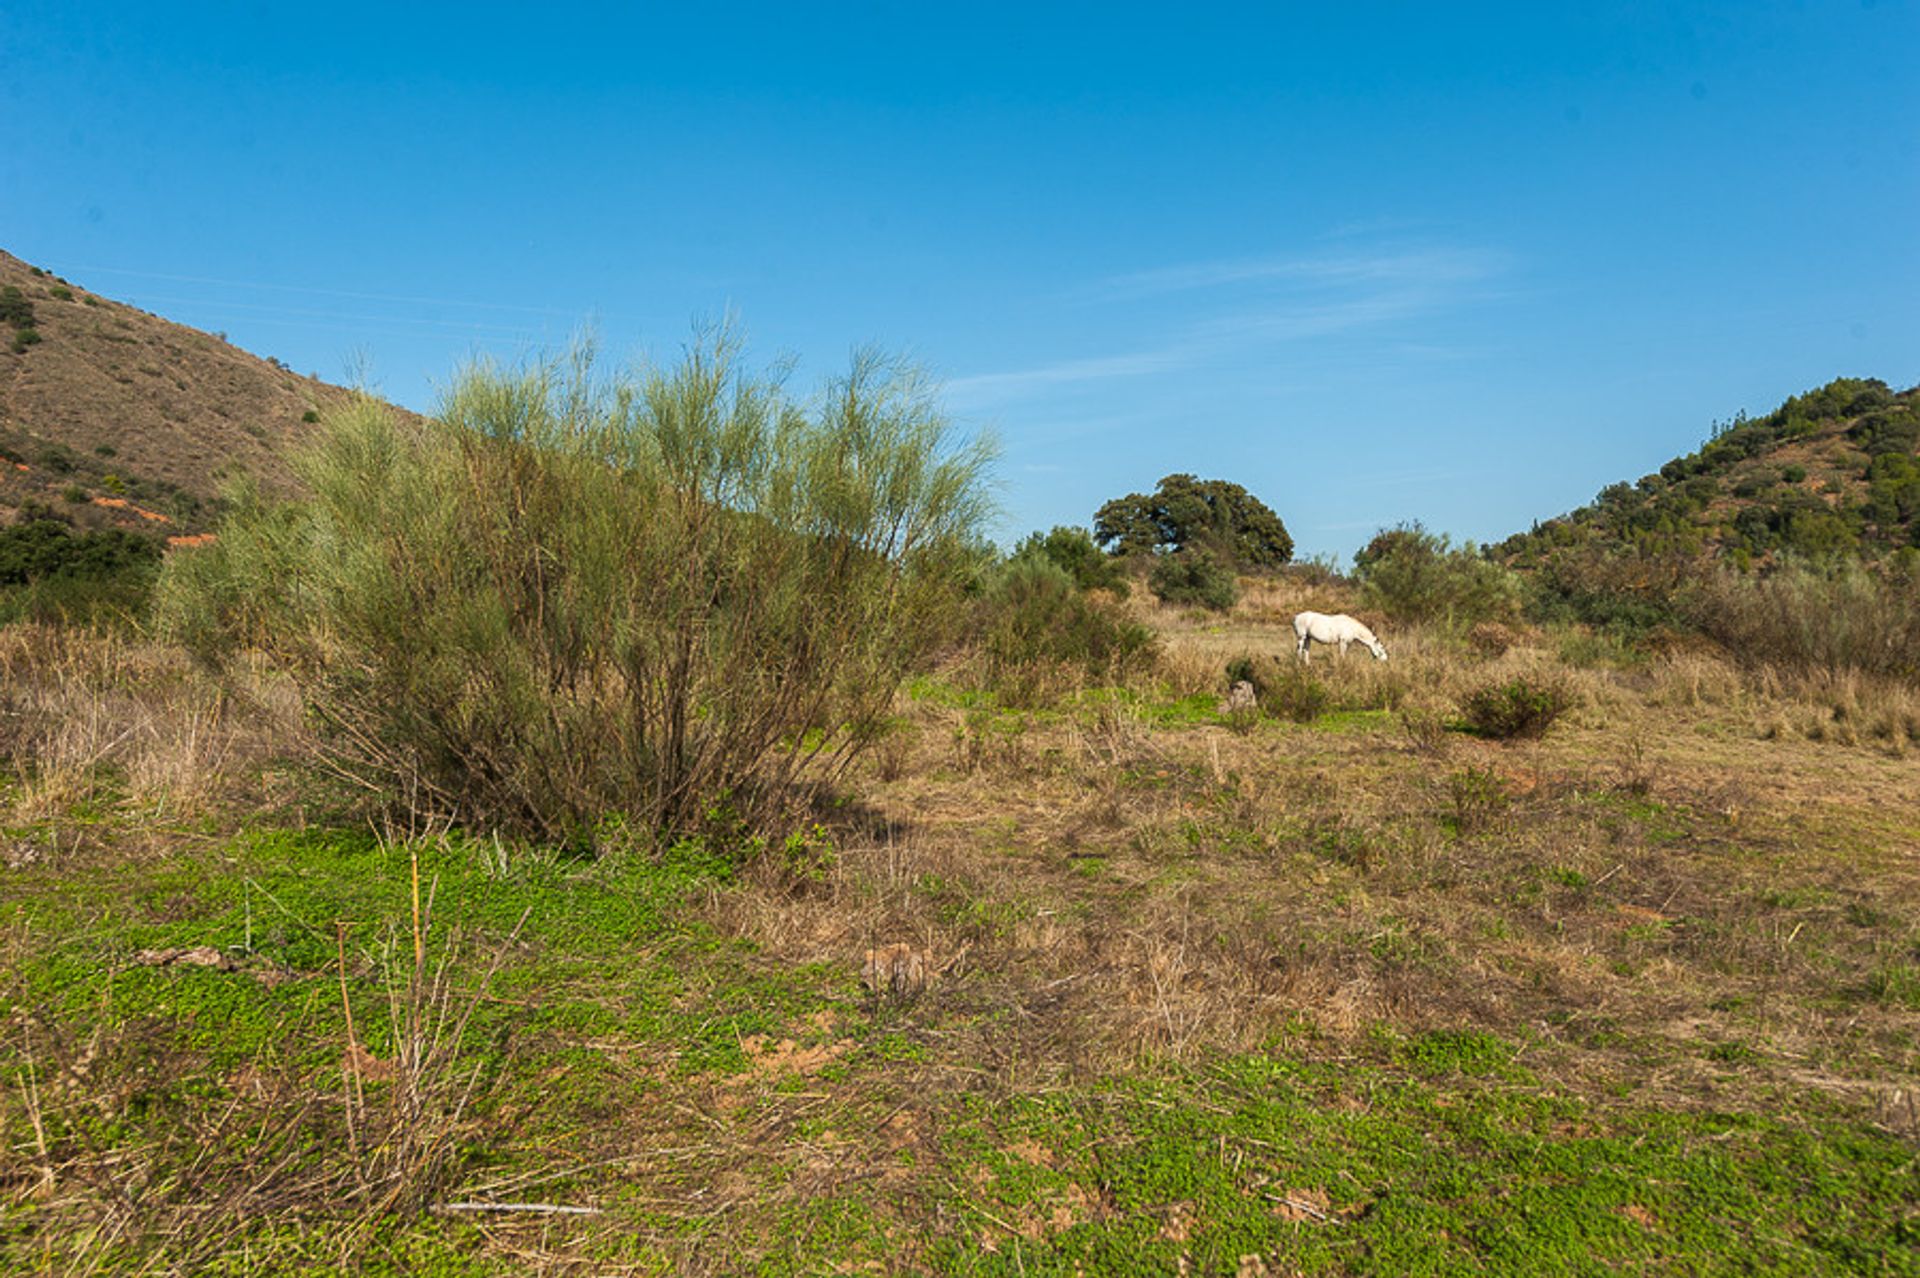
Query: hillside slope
{"points": [[1835, 471], [116, 417]]}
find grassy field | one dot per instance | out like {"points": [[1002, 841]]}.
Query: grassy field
{"points": [[1177, 992]]}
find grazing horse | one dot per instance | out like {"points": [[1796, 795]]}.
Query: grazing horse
{"points": [[1318, 627]]}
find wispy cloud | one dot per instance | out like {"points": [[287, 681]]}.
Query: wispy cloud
{"points": [[1249, 303], [1418, 267], [1102, 368]]}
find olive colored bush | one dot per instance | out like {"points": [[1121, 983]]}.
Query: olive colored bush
{"points": [[1522, 707], [1414, 575], [654, 594], [1193, 577], [1035, 624], [1804, 616]]}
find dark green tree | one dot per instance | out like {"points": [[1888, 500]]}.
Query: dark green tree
{"points": [[1184, 513]]}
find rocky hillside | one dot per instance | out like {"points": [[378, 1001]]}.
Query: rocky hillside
{"points": [[114, 417], [1835, 471]]}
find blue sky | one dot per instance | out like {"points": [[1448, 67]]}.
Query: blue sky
{"points": [[1459, 263]]}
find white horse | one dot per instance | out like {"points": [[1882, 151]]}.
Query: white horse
{"points": [[1319, 627]]}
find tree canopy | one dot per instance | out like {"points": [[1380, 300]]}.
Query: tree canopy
{"points": [[1186, 513]]}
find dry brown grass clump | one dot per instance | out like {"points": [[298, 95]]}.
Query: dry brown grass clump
{"points": [[1632, 893], [87, 715]]}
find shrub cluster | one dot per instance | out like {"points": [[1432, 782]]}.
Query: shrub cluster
{"points": [[1809, 617], [1034, 623], [1285, 689], [1073, 551], [569, 596], [17, 313], [1414, 575], [50, 572], [1194, 577], [1522, 707]]}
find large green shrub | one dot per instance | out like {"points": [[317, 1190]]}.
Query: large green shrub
{"points": [[1627, 594], [50, 572], [570, 596], [1193, 577], [1035, 622], [42, 548], [1414, 575], [1073, 551]]}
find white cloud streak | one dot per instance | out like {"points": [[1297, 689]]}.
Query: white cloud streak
{"points": [[1420, 267], [1273, 300]]}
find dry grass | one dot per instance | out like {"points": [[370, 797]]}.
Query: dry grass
{"points": [[1603, 894], [91, 718]]}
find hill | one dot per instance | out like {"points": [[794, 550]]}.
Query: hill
{"points": [[115, 417], [1833, 472]]}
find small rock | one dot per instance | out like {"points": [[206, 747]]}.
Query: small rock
{"points": [[1239, 697], [195, 956], [898, 969]]}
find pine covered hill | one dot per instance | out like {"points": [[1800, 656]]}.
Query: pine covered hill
{"points": [[1831, 473], [115, 418]]}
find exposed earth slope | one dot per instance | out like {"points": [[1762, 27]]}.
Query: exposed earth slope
{"points": [[117, 417]]}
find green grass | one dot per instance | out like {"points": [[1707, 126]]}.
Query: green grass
{"points": [[624, 1022], [608, 953], [1411, 1175]]}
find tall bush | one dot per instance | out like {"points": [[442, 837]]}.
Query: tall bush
{"points": [[1073, 551], [570, 595], [1194, 577], [1037, 624], [1414, 575]]}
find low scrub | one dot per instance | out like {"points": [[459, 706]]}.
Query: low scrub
{"points": [[1801, 617], [1517, 708], [1285, 689], [1194, 577], [568, 596], [1414, 575], [49, 572], [1038, 629]]}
